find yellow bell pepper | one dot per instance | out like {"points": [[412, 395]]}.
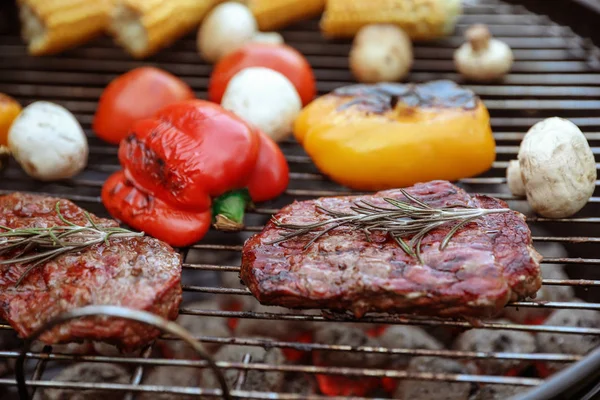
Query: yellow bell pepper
{"points": [[390, 135], [9, 109]]}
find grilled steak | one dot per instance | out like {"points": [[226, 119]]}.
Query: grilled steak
{"points": [[489, 261], [135, 272]]}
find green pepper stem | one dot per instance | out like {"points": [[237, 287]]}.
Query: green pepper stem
{"points": [[228, 210]]}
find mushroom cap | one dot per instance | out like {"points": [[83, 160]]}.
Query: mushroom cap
{"points": [[558, 168]]}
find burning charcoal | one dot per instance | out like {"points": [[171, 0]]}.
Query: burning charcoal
{"points": [[434, 390], [198, 326], [299, 383], [282, 330], [171, 376], [497, 392], [255, 380], [340, 334], [497, 341], [91, 373], [236, 302], [407, 337], [569, 343]]}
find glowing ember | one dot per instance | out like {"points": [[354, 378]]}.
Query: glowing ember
{"points": [[297, 355], [332, 385], [389, 385], [233, 306], [376, 331]]}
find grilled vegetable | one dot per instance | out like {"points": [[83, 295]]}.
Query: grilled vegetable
{"points": [[143, 27], [175, 163], [135, 95], [9, 109], [372, 137], [275, 14], [281, 58], [51, 26], [226, 28], [267, 37], [421, 19], [558, 168], [381, 53], [48, 142], [264, 98], [514, 180], [483, 58]]}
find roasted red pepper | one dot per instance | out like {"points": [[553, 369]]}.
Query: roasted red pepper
{"points": [[191, 163]]}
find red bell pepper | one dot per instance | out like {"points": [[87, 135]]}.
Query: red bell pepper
{"points": [[191, 163]]}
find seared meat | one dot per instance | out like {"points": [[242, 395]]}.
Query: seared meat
{"points": [[341, 334], [255, 380], [407, 337], [547, 292], [497, 341], [89, 373], [569, 343], [137, 272], [434, 390], [489, 262]]}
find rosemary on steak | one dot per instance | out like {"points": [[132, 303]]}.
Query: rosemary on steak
{"points": [[401, 220], [36, 246]]}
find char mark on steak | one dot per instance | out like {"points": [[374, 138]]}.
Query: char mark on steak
{"points": [[140, 273], [489, 261]]}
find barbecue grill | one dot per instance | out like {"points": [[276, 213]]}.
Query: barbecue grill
{"points": [[556, 73]]}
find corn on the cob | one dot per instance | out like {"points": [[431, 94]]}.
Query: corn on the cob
{"points": [[50, 26], [274, 14], [143, 27], [421, 19]]}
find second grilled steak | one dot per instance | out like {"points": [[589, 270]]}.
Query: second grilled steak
{"points": [[141, 273], [489, 262]]}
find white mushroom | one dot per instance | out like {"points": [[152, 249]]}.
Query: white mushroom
{"points": [[264, 98], [268, 37], [558, 168], [381, 53], [227, 27], [514, 180], [48, 142], [483, 58]]}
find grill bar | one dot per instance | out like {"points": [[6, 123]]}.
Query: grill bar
{"points": [[399, 320], [556, 73]]}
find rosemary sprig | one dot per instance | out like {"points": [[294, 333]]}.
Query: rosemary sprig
{"points": [[39, 245], [403, 219]]}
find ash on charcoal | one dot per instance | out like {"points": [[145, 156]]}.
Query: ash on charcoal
{"points": [[232, 280], [340, 334], [255, 380], [299, 383], [547, 292], [407, 337], [277, 329], [569, 343], [171, 376], [497, 392], [91, 373], [9, 340], [434, 390], [496, 341], [197, 326]]}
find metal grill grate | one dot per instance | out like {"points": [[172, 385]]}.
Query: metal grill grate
{"points": [[555, 73]]}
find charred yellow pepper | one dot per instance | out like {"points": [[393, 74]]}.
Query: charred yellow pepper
{"points": [[9, 110], [389, 135]]}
